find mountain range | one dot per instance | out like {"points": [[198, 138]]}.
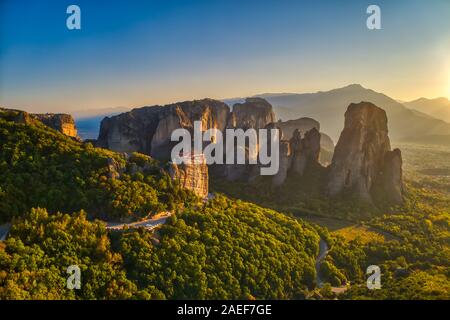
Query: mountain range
{"points": [[438, 108], [420, 121], [411, 121]]}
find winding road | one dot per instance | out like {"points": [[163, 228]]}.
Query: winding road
{"points": [[148, 224]]}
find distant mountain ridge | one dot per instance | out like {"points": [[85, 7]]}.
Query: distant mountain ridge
{"points": [[88, 121], [103, 112], [421, 120], [438, 108], [328, 108]]}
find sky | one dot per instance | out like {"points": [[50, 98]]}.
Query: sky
{"points": [[135, 53]]}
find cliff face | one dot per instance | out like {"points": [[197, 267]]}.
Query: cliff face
{"points": [[285, 164], [391, 177], [192, 176], [254, 113], [305, 150], [298, 154], [304, 125], [63, 123], [148, 130], [362, 160]]}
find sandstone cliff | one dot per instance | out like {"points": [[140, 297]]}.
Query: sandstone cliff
{"points": [[148, 129], [254, 113], [362, 160], [61, 122], [304, 125], [285, 164], [192, 176], [305, 151]]}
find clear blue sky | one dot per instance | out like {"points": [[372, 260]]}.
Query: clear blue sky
{"points": [[133, 53]]}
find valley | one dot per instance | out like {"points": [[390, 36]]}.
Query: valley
{"points": [[249, 239], [224, 155]]}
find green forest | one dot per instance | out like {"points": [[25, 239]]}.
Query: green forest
{"points": [[40, 167], [245, 243]]}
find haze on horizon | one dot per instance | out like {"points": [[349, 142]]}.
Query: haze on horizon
{"points": [[135, 53]]}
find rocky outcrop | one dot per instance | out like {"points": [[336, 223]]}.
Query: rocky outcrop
{"points": [[148, 129], [305, 151], [285, 164], [16, 116], [391, 177], [115, 169], [362, 160], [298, 154], [192, 176], [61, 122], [302, 124], [254, 113]]}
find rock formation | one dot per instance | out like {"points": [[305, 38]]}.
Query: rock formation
{"points": [[148, 129], [302, 124], [363, 161], [285, 164], [192, 176], [115, 169], [391, 178], [305, 151], [254, 113], [306, 124], [63, 123], [298, 154]]}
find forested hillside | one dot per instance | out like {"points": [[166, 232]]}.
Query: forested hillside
{"points": [[224, 250], [219, 249], [40, 167], [411, 246]]}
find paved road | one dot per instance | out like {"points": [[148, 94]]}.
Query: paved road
{"points": [[4, 230], [149, 224]]}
